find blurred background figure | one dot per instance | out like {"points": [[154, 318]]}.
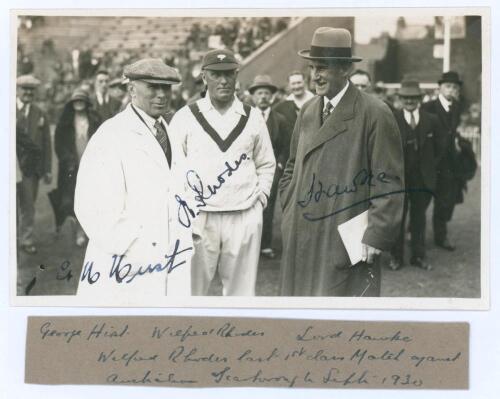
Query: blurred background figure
{"points": [[448, 188], [78, 122], [422, 145], [298, 97], [118, 90], [362, 80], [262, 90], [105, 105], [34, 154]]}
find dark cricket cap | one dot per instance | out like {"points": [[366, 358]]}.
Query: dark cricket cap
{"points": [[151, 70], [220, 60]]}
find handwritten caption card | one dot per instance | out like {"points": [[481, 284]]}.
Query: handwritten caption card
{"points": [[246, 352]]}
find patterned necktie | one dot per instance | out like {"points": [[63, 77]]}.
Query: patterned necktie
{"points": [[162, 137], [327, 110]]}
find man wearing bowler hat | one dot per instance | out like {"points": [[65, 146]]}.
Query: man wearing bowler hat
{"points": [[447, 187], [129, 175], [34, 154], [231, 173], [346, 160], [262, 90], [422, 143]]}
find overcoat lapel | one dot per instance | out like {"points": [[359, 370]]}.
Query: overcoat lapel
{"points": [[422, 130], [146, 140], [334, 125]]}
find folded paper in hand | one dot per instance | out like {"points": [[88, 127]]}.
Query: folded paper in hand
{"points": [[351, 233]]}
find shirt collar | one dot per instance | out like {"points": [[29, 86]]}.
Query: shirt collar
{"points": [[444, 102], [335, 100], [102, 99], [150, 121], [205, 105], [20, 106], [266, 113]]}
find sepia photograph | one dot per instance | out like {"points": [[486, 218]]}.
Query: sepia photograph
{"points": [[250, 158]]}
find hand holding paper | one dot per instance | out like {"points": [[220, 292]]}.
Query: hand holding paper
{"points": [[351, 233]]}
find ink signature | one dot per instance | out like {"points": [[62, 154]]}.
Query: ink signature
{"points": [[122, 272], [185, 213], [318, 192]]}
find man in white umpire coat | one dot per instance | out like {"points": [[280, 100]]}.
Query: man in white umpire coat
{"points": [[232, 166], [129, 176]]}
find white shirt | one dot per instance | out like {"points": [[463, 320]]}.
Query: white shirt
{"points": [[335, 100], [20, 105], [407, 115], [252, 150], [150, 121], [102, 99], [300, 102], [445, 103], [265, 113]]}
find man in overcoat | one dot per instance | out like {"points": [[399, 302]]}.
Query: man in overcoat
{"points": [[106, 105], [423, 147], [346, 158], [129, 176], [34, 154], [448, 187], [262, 90]]}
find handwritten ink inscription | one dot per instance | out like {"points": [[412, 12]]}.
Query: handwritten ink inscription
{"points": [[231, 352]]}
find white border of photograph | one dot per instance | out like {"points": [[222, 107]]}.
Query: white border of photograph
{"points": [[425, 303]]}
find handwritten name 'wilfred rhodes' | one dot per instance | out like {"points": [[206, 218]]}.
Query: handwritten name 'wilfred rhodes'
{"points": [[124, 272], [201, 195]]}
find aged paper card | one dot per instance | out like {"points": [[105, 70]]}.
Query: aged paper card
{"points": [[246, 352]]}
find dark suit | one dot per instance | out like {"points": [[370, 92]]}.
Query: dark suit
{"points": [[336, 171], [33, 148], [447, 187], [423, 147], [279, 131], [107, 109]]}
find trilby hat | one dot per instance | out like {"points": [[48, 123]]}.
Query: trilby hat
{"points": [[410, 88], [330, 44], [262, 81]]}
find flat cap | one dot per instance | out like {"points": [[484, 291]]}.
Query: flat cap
{"points": [[151, 70], [27, 81], [219, 60]]}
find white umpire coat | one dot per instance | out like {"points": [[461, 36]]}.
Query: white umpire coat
{"points": [[125, 200]]}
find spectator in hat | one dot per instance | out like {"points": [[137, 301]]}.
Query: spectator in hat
{"points": [[262, 90], [105, 105], [232, 167], [78, 122], [129, 176], [447, 186], [34, 154], [345, 156], [422, 144]]}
